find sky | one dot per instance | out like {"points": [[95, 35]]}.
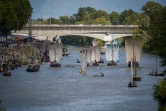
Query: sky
{"points": [[56, 8]]}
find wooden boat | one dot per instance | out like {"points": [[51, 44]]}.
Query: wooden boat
{"points": [[112, 52], [133, 47], [33, 68], [111, 63], [129, 64], [135, 76], [99, 75], [78, 61], [155, 73], [69, 66], [65, 52], [95, 55], [132, 83], [34, 63], [101, 60], [55, 53], [7, 73]]}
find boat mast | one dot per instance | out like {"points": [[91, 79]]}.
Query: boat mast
{"points": [[55, 52], [112, 47], [134, 58], [156, 65]]}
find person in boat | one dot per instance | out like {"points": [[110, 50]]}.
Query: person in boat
{"points": [[7, 72], [153, 72], [30, 66], [101, 60], [55, 62], [95, 62]]}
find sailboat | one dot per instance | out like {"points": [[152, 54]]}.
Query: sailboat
{"points": [[133, 47], [33, 65], [135, 77], [112, 52], [55, 53], [156, 72], [89, 54], [96, 52], [84, 61], [95, 57], [5, 63], [132, 83]]}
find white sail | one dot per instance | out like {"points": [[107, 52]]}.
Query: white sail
{"points": [[89, 55], [112, 51], [52, 52], [116, 53], [108, 52], [93, 55], [131, 45], [98, 53], [84, 59], [58, 52]]}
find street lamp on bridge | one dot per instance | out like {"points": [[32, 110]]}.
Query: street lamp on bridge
{"points": [[50, 14]]}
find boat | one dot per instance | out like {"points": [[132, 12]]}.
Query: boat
{"points": [[112, 52], [7, 73], [55, 54], [155, 73], [84, 61], [99, 75], [65, 52], [129, 64], [133, 47], [69, 66], [78, 61], [102, 52], [95, 56], [33, 66], [101, 60], [135, 76], [132, 83]]}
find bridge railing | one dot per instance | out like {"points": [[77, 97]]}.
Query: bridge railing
{"points": [[43, 25]]}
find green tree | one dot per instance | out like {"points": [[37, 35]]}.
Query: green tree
{"points": [[144, 21], [125, 14], [131, 20], [82, 12], [14, 15], [100, 20], [150, 19], [150, 7], [159, 94], [114, 18]]}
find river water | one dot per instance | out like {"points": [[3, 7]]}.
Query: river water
{"points": [[65, 89]]}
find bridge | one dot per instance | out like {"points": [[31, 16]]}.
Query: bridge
{"points": [[103, 32], [94, 31]]}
